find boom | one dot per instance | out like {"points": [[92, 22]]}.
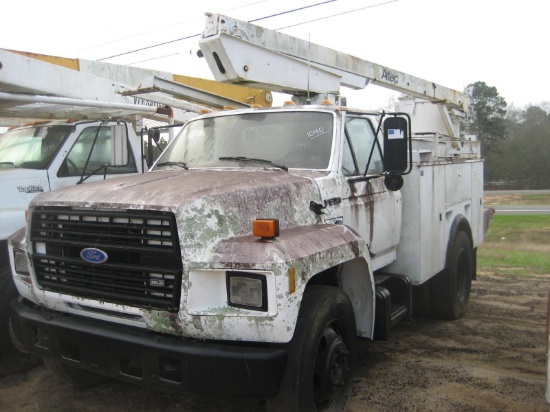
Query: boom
{"points": [[36, 86], [240, 52]]}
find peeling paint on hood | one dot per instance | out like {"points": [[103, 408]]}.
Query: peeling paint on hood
{"points": [[209, 205], [167, 189]]}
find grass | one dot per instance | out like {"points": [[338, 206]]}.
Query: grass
{"points": [[517, 245]]}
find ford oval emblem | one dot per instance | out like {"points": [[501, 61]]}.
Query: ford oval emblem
{"points": [[93, 255]]}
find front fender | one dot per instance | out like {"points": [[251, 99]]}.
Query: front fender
{"points": [[307, 250], [331, 243]]}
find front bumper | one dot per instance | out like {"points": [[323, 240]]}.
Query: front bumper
{"points": [[151, 359]]}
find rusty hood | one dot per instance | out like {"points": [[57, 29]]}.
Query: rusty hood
{"points": [[209, 205]]}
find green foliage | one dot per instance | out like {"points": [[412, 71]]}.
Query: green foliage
{"points": [[526, 152], [514, 143], [517, 244], [487, 119], [514, 262], [519, 230]]}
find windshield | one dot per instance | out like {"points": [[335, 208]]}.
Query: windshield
{"points": [[31, 147], [295, 139]]}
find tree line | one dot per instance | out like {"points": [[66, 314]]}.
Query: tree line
{"points": [[515, 142]]}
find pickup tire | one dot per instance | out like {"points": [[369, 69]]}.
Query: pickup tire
{"points": [[80, 378], [12, 360], [322, 354], [451, 288]]}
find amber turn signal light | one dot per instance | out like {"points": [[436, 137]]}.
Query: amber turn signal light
{"points": [[266, 228]]}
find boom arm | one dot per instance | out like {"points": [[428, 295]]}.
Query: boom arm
{"points": [[35, 86], [240, 52]]}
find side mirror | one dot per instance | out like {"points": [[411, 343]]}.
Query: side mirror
{"points": [[396, 146], [119, 145]]}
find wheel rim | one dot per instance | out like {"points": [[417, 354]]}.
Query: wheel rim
{"points": [[331, 367]]}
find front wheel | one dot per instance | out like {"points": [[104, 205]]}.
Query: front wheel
{"points": [[322, 354], [451, 288]]}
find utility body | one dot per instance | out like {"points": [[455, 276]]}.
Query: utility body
{"points": [[257, 249]]}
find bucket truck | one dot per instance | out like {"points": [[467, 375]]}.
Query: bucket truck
{"points": [[264, 241]]}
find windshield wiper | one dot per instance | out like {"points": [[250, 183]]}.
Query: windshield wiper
{"points": [[251, 159], [180, 164]]}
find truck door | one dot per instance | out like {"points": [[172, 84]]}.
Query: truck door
{"points": [[368, 207], [90, 158]]}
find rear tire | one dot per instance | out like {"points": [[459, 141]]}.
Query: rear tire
{"points": [[80, 378], [451, 288], [322, 354], [12, 360]]}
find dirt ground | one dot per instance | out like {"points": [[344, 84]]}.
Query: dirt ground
{"points": [[491, 360]]}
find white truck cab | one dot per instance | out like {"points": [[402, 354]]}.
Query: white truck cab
{"points": [[47, 156]]}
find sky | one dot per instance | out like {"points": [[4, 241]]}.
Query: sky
{"points": [[453, 43]]}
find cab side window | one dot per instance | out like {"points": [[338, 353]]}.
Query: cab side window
{"points": [[360, 146], [91, 154]]}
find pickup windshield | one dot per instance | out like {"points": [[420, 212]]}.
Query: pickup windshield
{"points": [[293, 139], [31, 147]]}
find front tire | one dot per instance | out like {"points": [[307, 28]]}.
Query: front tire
{"points": [[322, 354], [451, 288]]}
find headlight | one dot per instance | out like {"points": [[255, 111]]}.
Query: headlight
{"points": [[20, 262], [247, 290]]}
